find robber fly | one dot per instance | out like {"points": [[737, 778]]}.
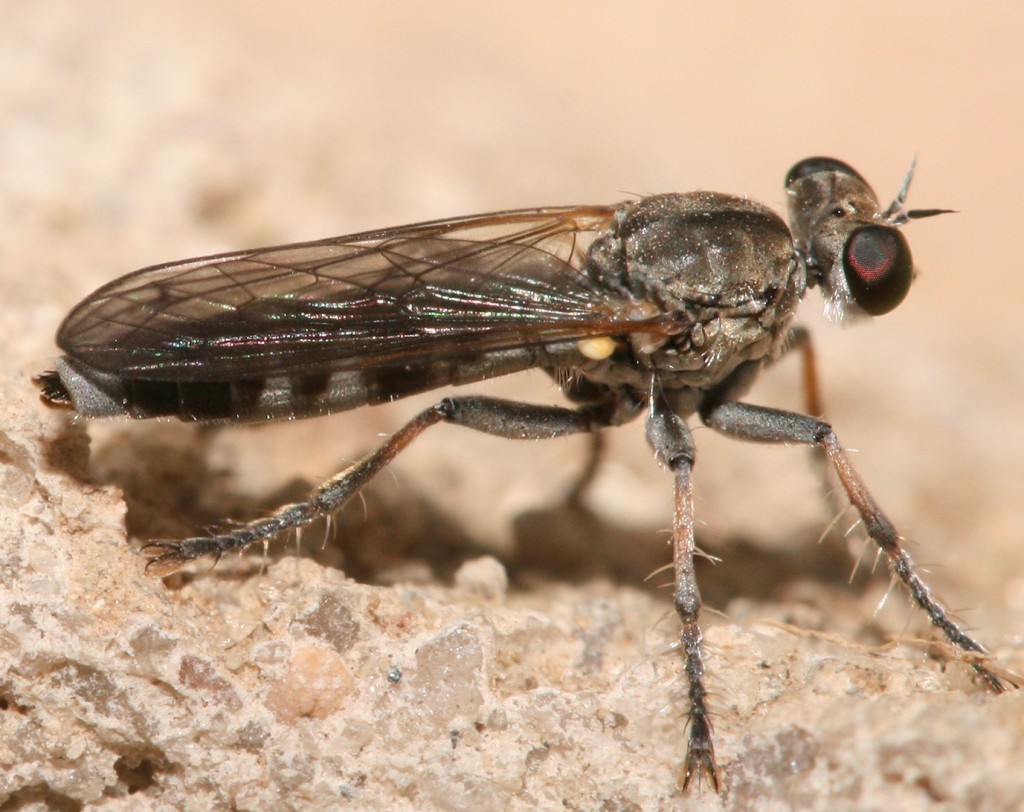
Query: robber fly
{"points": [[667, 306]]}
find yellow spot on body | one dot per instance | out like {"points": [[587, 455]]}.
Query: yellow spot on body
{"points": [[596, 349]]}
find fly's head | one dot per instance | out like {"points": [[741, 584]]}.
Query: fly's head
{"points": [[850, 246]]}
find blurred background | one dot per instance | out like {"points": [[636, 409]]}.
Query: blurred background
{"points": [[132, 134]]}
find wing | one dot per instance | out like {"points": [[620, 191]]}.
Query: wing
{"points": [[401, 295]]}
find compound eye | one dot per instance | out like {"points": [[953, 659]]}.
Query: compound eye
{"points": [[878, 268], [812, 166]]}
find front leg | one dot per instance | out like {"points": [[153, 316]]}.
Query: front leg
{"points": [[674, 447], [761, 424]]}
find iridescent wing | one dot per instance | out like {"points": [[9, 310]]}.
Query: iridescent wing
{"points": [[400, 295]]}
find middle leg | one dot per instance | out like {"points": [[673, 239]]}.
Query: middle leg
{"points": [[674, 447]]}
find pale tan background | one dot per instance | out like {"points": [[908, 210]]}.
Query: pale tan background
{"points": [[132, 134]]}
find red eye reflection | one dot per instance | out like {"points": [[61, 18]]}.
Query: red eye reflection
{"points": [[878, 268]]}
